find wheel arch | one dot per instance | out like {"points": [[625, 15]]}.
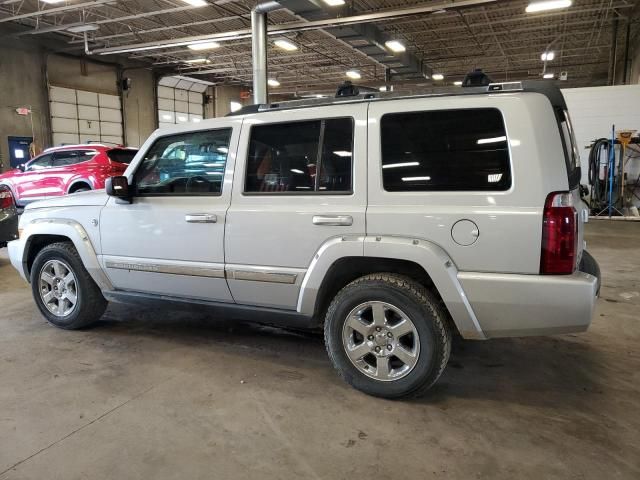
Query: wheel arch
{"points": [[40, 233], [78, 183], [337, 263]]}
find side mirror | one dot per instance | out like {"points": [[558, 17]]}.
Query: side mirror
{"points": [[22, 167], [118, 187]]}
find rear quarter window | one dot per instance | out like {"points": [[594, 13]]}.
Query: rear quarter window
{"points": [[445, 150]]}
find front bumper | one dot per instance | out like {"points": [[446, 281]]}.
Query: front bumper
{"points": [[16, 255], [511, 305]]}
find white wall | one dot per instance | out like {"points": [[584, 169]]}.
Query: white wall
{"points": [[594, 109]]}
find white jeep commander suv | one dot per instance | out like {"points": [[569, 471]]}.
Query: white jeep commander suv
{"points": [[393, 223]]}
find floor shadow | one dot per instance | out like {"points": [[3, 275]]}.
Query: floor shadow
{"points": [[538, 371]]}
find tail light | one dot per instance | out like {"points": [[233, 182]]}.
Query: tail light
{"points": [[559, 235], [6, 199]]}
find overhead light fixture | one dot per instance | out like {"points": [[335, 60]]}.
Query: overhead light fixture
{"points": [[547, 56], [196, 3], [88, 27], [334, 3], [52, 1], [437, 76], [197, 60], [204, 46], [458, 83], [354, 74], [416, 179], [484, 141], [543, 6], [395, 46], [273, 82], [285, 44], [548, 75], [235, 106], [401, 165]]}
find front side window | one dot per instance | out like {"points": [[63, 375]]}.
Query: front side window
{"points": [[39, 163], [184, 164], [71, 157], [445, 150], [301, 157]]}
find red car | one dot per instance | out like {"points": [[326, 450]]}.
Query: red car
{"points": [[69, 169]]}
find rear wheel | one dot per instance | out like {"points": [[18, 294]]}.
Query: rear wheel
{"points": [[387, 336], [63, 290]]}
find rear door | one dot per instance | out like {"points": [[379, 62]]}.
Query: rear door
{"points": [[301, 182]]}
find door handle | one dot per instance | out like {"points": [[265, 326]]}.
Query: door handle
{"points": [[333, 220], [200, 218]]}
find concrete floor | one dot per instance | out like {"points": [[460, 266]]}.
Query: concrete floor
{"points": [[168, 395]]}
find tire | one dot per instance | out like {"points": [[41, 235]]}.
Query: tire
{"points": [[379, 372], [58, 260]]}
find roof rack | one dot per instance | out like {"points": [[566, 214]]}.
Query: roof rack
{"points": [[546, 88]]}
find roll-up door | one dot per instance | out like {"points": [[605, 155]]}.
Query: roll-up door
{"points": [[79, 116], [180, 101]]}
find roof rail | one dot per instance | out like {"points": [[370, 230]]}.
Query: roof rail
{"points": [[548, 89]]}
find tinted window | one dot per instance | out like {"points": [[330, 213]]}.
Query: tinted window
{"points": [[39, 163], [71, 157], [185, 164], [303, 157], [445, 150], [572, 154], [122, 156]]}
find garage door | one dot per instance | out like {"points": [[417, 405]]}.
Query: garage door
{"points": [[179, 101], [78, 116]]}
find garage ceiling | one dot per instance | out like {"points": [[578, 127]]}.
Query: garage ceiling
{"points": [[498, 37]]}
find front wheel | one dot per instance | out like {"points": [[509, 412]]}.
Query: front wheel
{"points": [[387, 336], [63, 290]]}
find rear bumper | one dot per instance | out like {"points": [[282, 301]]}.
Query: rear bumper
{"points": [[510, 305]]}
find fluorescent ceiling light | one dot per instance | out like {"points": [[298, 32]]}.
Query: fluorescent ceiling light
{"points": [[458, 83], [416, 179], [197, 60], [204, 46], [52, 1], [196, 3], [437, 76], [285, 44], [484, 141], [235, 106], [354, 74], [395, 46], [543, 6], [334, 3], [342, 153], [548, 75], [401, 164], [295, 170], [273, 82], [548, 56], [89, 27]]}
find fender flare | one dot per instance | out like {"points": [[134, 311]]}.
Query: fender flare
{"points": [[75, 232], [431, 257]]}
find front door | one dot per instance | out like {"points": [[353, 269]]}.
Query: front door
{"points": [[300, 183], [170, 239], [31, 184]]}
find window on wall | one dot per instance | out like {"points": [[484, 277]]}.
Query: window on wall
{"points": [[185, 164], [302, 157], [440, 150], [180, 101]]}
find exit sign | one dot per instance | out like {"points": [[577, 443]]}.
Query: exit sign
{"points": [[23, 111]]}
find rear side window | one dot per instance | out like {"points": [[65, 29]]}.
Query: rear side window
{"points": [[572, 154], [121, 156], [301, 157], [445, 150], [65, 158]]}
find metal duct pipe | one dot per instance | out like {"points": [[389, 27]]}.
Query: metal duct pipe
{"points": [[259, 50]]}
